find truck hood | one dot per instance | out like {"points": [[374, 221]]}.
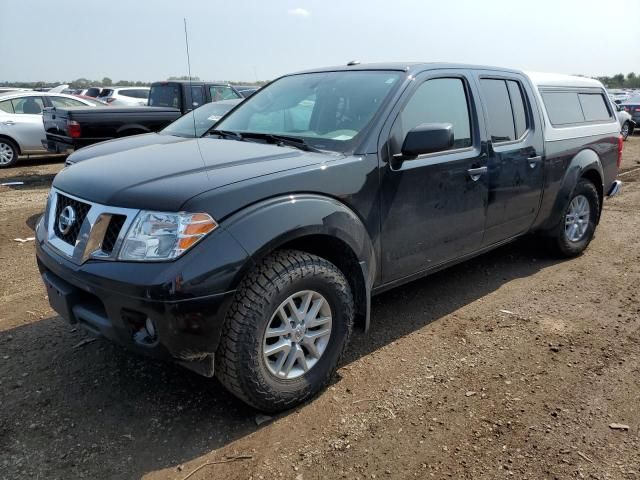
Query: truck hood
{"points": [[164, 176], [122, 144]]}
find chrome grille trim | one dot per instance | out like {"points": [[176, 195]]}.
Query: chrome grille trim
{"points": [[92, 231]]}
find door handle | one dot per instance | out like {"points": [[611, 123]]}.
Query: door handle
{"points": [[533, 161], [475, 173], [9, 122]]}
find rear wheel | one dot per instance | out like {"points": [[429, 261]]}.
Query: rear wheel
{"points": [[625, 130], [285, 331], [8, 153], [579, 219]]}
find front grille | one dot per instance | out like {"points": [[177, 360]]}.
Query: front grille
{"points": [[113, 230], [81, 209]]}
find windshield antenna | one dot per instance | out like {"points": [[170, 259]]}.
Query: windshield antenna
{"points": [[193, 116]]}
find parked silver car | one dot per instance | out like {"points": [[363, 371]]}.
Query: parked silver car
{"points": [[627, 125], [125, 96], [21, 128]]}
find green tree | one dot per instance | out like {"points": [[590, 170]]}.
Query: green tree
{"points": [[107, 82]]}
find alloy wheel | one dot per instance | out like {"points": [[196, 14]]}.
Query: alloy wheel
{"points": [[6, 153], [577, 218], [297, 334]]}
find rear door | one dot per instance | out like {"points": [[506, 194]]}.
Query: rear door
{"points": [[433, 206], [25, 124], [515, 150]]}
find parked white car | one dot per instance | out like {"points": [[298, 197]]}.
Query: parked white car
{"points": [[627, 125], [125, 96], [21, 127]]}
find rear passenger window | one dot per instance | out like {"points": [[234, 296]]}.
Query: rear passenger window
{"points": [[441, 100], [593, 107], [496, 96]]}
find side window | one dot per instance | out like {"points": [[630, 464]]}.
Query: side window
{"points": [[594, 107], [28, 105], [496, 98], [6, 106], [518, 106], [63, 102], [441, 100], [133, 93], [222, 93], [197, 96], [563, 108]]}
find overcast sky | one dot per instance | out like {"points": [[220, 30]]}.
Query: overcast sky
{"points": [[247, 39]]}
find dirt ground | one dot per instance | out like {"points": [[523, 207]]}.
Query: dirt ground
{"points": [[514, 364]]}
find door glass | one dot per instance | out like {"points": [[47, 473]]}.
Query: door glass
{"points": [[197, 96], [6, 106], [63, 102], [28, 105], [517, 103], [222, 93], [496, 96], [441, 100]]}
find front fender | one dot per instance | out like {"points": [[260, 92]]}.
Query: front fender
{"points": [[270, 224], [584, 163]]}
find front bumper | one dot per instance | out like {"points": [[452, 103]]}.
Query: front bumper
{"points": [[114, 300]]}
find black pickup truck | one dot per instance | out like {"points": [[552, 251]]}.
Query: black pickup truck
{"points": [[73, 128], [254, 255]]}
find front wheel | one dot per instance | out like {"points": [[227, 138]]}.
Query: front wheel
{"points": [[285, 331], [579, 220]]}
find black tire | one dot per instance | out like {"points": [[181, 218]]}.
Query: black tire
{"points": [[626, 130], [9, 149], [240, 365], [560, 242]]}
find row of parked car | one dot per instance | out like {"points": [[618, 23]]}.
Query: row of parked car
{"points": [[72, 120], [42, 122]]}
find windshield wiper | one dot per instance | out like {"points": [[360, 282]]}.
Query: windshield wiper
{"points": [[226, 134], [295, 142]]}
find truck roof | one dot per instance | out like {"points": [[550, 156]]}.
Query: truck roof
{"points": [[410, 67], [195, 82], [541, 79], [537, 78]]}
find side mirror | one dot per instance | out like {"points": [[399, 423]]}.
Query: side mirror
{"points": [[428, 138]]}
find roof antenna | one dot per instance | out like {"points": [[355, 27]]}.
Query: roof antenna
{"points": [[186, 41]]}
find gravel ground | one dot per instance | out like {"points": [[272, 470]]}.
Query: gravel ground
{"points": [[514, 364]]}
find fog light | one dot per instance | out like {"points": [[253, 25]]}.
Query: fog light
{"points": [[146, 335]]}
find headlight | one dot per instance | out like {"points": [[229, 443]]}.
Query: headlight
{"points": [[164, 236]]}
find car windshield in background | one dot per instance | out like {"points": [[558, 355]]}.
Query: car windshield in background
{"points": [[164, 96], [327, 110], [205, 117]]}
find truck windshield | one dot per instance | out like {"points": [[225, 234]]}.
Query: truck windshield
{"points": [[328, 110], [205, 117], [164, 96]]}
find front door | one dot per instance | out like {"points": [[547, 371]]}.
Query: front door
{"points": [[433, 206], [515, 156]]}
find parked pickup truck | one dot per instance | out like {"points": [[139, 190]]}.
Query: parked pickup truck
{"points": [[73, 128], [254, 255]]}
